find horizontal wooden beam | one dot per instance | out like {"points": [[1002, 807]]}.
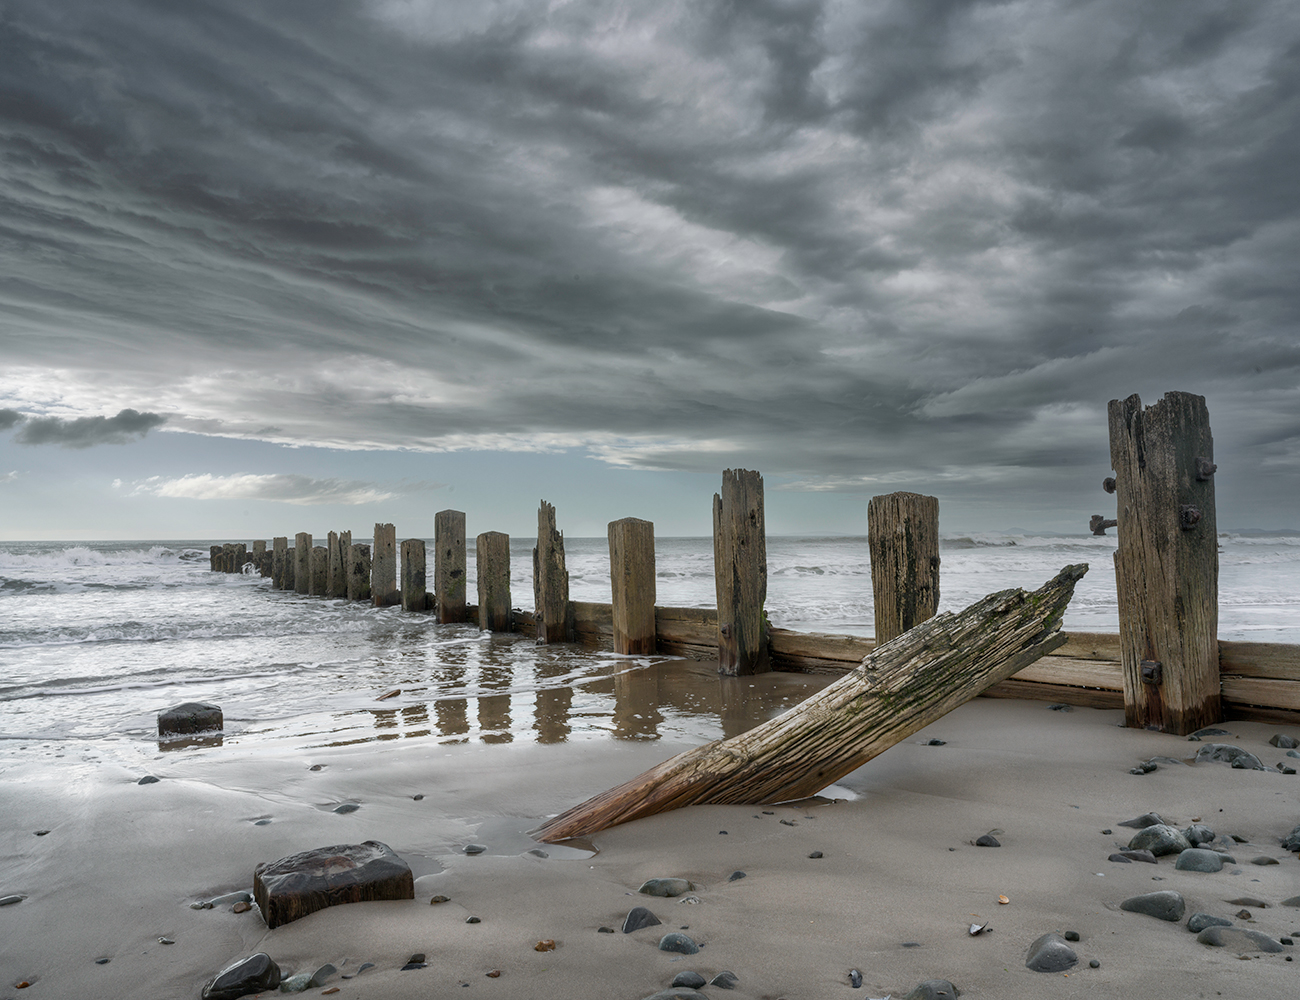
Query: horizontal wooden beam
{"points": [[1034, 691], [1277, 660], [1262, 692]]}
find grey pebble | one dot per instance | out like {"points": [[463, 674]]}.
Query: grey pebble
{"points": [[666, 887], [1094, 964], [262, 822], [788, 822], [10, 900], [537, 852], [1050, 953], [1143, 821], [637, 918], [1197, 922], [1283, 742], [346, 807], [1198, 834], [605, 930], [473, 920], [1061, 707], [1198, 859], [148, 779], [816, 854], [725, 980], [691, 980], [1159, 839], [417, 798], [678, 993], [1071, 935], [855, 979], [987, 840], [41, 833], [937, 743], [1163, 905], [1227, 753], [1264, 861], [1239, 939], [475, 848], [679, 943], [933, 989], [735, 876]]}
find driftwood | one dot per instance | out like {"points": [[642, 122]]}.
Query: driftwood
{"points": [[898, 689]]}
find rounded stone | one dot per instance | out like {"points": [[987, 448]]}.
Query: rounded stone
{"points": [[1198, 859], [191, 717], [255, 974], [725, 980], [475, 848], [987, 840], [933, 989], [1238, 939], [1071, 935], [1227, 753], [666, 887], [1197, 922], [1050, 953], [346, 807], [148, 779], [735, 876], [1198, 834], [639, 917], [1163, 905], [1094, 964], [678, 942], [1159, 839], [692, 980]]}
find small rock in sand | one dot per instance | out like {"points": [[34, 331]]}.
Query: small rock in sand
{"points": [[1227, 753], [1284, 742], [346, 807], [473, 920], [1197, 922], [678, 993], [855, 979], [255, 974], [1248, 901], [241, 907], [1143, 821], [667, 887], [933, 989], [1198, 834], [1050, 953], [1159, 839], [987, 840], [475, 848], [937, 743], [1238, 939], [1264, 861], [816, 854], [735, 876], [148, 779], [11, 900], [693, 980], [678, 942], [1163, 905], [725, 980], [546, 944], [1198, 859], [1291, 841], [637, 918], [439, 899]]}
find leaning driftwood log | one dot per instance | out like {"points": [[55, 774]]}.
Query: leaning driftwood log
{"points": [[898, 689]]}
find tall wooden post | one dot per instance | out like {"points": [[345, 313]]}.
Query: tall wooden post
{"points": [[227, 556], [339, 550], [259, 557], [290, 567], [551, 609], [302, 563], [413, 590], [320, 570], [1167, 562], [335, 571], [214, 558], [492, 553], [359, 572], [449, 565], [903, 538], [279, 555], [383, 567], [241, 557], [632, 580], [740, 573]]}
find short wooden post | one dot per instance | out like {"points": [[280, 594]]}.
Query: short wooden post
{"points": [[335, 564], [339, 549], [449, 565], [903, 538], [302, 563], [290, 567], [383, 567], [740, 573], [413, 589], [241, 557], [1166, 562], [358, 572], [551, 609], [320, 570], [279, 556], [492, 553], [214, 558], [227, 557], [632, 580], [259, 557]]}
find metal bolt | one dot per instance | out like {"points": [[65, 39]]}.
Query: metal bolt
{"points": [[1205, 469], [1152, 672], [1108, 484], [1188, 517], [1098, 524]]}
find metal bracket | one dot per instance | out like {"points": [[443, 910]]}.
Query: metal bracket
{"points": [[1098, 524]]}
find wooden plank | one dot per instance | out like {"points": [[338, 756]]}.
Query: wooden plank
{"points": [[740, 573], [1107, 675], [1033, 691], [1089, 646], [1167, 562], [849, 649], [903, 538], [1263, 692], [632, 582], [1277, 660]]}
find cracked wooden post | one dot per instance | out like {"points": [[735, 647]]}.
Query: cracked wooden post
{"points": [[632, 580], [492, 554], [302, 563], [414, 595], [279, 552], [214, 558], [449, 565], [320, 570], [1166, 562], [740, 573], [225, 557], [383, 567], [551, 609], [339, 578], [903, 538], [241, 557], [897, 690], [358, 571], [259, 558]]}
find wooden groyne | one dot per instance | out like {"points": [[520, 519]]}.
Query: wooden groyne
{"points": [[1166, 668]]}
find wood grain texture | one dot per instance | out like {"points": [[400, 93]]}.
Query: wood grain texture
{"points": [[1063, 693], [358, 572], [897, 690], [1166, 571], [279, 555], [492, 553], [1276, 660], [414, 592], [632, 583], [740, 573], [449, 565], [552, 615], [903, 539], [302, 563], [383, 566], [1261, 692]]}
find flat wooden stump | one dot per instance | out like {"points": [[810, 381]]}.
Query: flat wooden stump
{"points": [[329, 876]]}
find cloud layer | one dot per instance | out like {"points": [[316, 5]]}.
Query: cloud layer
{"points": [[914, 242], [85, 432], [284, 488]]}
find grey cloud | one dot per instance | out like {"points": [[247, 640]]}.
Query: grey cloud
{"points": [[284, 488], [86, 432], [10, 418]]}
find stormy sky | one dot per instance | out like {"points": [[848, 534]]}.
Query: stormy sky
{"points": [[292, 266]]}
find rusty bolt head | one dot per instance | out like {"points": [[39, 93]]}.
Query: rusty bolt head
{"points": [[1205, 469], [1108, 484], [1152, 672], [1188, 517]]}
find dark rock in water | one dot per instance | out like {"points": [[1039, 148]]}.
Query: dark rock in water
{"points": [[328, 876], [148, 779], [1143, 821], [1199, 921], [1050, 953], [667, 887], [1292, 840], [346, 807], [639, 917], [1198, 834], [678, 993], [1163, 905], [1071, 935], [1283, 742], [1227, 753], [1198, 859], [475, 848], [933, 989], [678, 942], [855, 979], [1211, 731], [1264, 861], [735, 876], [192, 717], [987, 840], [725, 980], [255, 974], [693, 980], [1159, 839], [1238, 939]]}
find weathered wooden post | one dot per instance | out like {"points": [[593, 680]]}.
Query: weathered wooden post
{"points": [[241, 557], [740, 573], [290, 567], [335, 571], [903, 538], [1166, 562], [227, 557], [383, 567], [551, 609], [358, 572], [449, 565], [632, 580], [214, 558], [320, 570], [414, 595], [492, 553], [259, 557], [302, 563], [279, 555]]}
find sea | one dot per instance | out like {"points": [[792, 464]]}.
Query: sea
{"points": [[97, 637]]}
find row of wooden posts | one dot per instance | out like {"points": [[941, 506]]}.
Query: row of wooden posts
{"points": [[1166, 568]]}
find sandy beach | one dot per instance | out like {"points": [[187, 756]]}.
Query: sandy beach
{"points": [[898, 883]]}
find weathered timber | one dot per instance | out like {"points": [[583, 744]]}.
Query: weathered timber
{"points": [[383, 567], [214, 558], [358, 572], [816, 651], [740, 573], [329, 876], [279, 555], [1106, 675], [290, 568], [1166, 562], [302, 563], [492, 554], [632, 580], [335, 565], [1261, 692], [897, 690], [320, 570], [449, 565], [241, 557], [259, 557], [1277, 660], [903, 538], [553, 617], [1065, 693], [413, 589]]}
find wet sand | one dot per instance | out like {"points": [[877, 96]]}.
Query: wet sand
{"points": [[897, 885]]}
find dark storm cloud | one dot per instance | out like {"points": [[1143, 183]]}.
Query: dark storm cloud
{"points": [[918, 240], [86, 432], [9, 418]]}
